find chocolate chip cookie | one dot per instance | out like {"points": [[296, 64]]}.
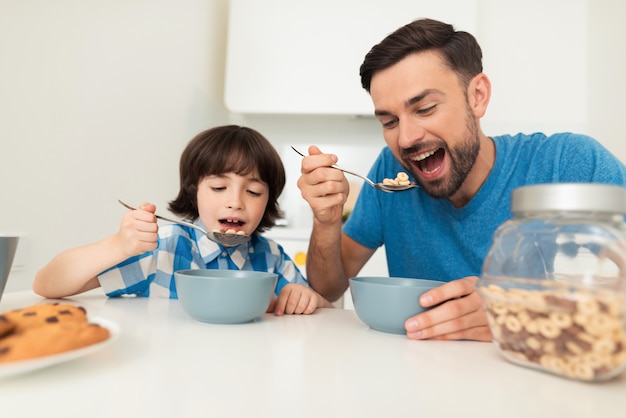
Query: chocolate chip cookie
{"points": [[46, 329]]}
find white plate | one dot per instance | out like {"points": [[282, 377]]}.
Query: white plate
{"points": [[25, 366]]}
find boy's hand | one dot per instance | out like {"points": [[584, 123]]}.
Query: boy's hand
{"points": [[138, 232], [297, 299]]}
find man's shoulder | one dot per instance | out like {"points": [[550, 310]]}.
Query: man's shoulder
{"points": [[536, 138], [557, 143]]}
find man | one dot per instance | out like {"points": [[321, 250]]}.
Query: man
{"points": [[429, 94]]}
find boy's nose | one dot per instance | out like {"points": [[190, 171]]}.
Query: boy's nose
{"points": [[235, 201]]}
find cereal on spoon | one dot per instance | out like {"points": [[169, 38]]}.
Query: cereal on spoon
{"points": [[402, 179]]}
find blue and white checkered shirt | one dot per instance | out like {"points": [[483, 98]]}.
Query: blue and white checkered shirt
{"points": [[181, 248]]}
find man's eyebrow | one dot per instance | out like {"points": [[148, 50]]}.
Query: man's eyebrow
{"points": [[419, 97], [381, 113]]}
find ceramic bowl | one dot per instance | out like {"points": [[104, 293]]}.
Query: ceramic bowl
{"points": [[225, 296], [385, 303], [8, 247]]}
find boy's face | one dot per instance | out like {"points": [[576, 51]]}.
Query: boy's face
{"points": [[231, 201]]}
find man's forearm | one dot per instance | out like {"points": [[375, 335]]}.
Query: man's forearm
{"points": [[325, 271]]}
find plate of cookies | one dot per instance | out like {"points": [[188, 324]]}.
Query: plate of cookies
{"points": [[43, 335]]}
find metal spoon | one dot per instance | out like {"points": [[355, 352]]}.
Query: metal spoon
{"points": [[226, 239], [389, 188]]}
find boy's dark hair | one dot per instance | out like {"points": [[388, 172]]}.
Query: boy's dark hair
{"points": [[459, 49], [226, 149]]}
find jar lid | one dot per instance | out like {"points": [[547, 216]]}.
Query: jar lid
{"points": [[581, 197]]}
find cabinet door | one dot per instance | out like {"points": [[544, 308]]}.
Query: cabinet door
{"points": [[303, 57]]}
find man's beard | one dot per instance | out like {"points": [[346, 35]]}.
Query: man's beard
{"points": [[462, 158]]}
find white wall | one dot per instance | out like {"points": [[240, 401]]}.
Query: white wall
{"points": [[98, 99]]}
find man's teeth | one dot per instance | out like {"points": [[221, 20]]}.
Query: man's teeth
{"points": [[423, 156]]}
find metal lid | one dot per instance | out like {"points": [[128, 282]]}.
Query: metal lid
{"points": [[581, 197]]}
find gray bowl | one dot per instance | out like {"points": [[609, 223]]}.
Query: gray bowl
{"points": [[225, 296], [385, 303]]}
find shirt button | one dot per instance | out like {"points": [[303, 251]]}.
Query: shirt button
{"points": [[224, 254]]}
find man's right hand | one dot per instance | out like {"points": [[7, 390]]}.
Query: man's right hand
{"points": [[324, 188]]}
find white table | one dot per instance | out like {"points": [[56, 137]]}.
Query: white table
{"points": [[165, 364]]}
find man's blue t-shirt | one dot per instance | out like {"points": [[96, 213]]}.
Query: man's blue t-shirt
{"points": [[431, 239]]}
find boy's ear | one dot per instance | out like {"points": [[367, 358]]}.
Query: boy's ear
{"points": [[478, 94]]}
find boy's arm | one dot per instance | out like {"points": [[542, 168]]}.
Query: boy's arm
{"points": [[74, 271]]}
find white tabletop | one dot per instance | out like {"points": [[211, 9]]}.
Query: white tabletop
{"points": [[328, 364]]}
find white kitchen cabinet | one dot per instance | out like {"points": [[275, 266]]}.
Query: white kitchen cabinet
{"points": [[295, 242], [303, 57]]}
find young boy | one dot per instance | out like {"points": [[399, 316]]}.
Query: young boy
{"points": [[230, 178]]}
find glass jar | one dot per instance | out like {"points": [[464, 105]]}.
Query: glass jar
{"points": [[553, 282]]}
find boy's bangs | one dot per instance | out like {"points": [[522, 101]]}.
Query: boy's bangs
{"points": [[241, 162]]}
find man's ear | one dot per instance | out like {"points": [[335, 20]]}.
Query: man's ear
{"points": [[478, 94]]}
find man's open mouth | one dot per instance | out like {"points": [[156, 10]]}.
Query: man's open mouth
{"points": [[429, 162]]}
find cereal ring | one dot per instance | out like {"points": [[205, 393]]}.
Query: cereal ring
{"points": [[520, 293], [615, 307], [533, 343], [515, 307], [561, 319], [523, 317], [619, 336], [600, 324], [495, 289], [532, 327], [595, 361], [402, 176], [573, 348], [587, 306], [584, 337], [619, 359], [552, 363], [580, 370], [549, 347], [580, 319], [604, 346], [499, 308], [548, 329], [512, 323]]}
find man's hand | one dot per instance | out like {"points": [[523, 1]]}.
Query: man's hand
{"points": [[460, 315], [324, 188]]}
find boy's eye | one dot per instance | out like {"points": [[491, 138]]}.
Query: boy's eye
{"points": [[253, 193], [218, 188]]}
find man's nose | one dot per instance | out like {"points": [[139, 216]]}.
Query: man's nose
{"points": [[410, 132]]}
